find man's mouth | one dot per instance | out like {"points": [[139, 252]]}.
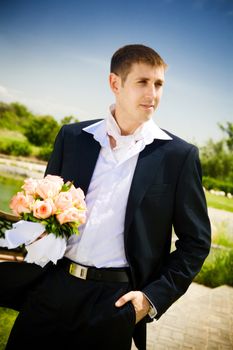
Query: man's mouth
{"points": [[148, 106]]}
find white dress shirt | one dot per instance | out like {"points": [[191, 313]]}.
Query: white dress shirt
{"points": [[101, 239]]}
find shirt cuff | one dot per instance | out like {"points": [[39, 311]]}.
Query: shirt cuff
{"points": [[152, 310]]}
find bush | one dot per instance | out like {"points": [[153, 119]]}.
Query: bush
{"points": [[13, 116], [41, 130], [221, 234], [217, 160], [213, 184], [15, 148], [217, 269], [45, 152]]}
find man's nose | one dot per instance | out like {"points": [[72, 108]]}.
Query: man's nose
{"points": [[151, 91]]}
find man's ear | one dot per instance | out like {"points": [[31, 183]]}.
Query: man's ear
{"points": [[114, 82]]}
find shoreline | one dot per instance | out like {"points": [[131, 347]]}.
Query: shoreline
{"points": [[21, 167]]}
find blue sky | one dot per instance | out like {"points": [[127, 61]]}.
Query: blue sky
{"points": [[55, 54]]}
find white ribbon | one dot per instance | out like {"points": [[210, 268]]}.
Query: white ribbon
{"points": [[41, 251], [22, 232], [48, 248]]}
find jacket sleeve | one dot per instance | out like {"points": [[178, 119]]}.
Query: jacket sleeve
{"points": [[192, 227]]}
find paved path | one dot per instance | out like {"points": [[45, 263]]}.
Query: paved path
{"points": [[200, 320]]}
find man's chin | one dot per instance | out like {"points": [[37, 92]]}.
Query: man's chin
{"points": [[147, 115]]}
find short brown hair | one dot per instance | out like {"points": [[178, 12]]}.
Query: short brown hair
{"points": [[126, 56]]}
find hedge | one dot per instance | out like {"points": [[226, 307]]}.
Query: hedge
{"points": [[213, 184], [15, 147]]}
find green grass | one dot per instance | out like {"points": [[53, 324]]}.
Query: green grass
{"points": [[217, 269], [222, 237], [11, 135], [219, 202], [8, 187], [7, 318]]}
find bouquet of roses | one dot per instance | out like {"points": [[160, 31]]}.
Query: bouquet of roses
{"points": [[50, 211]]}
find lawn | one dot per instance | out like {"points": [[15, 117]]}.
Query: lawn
{"points": [[219, 202], [7, 318], [11, 135], [8, 187]]}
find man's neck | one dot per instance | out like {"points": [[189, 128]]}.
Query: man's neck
{"points": [[126, 127], [112, 141]]}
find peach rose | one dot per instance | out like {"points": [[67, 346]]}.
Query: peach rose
{"points": [[43, 209], [30, 186], [78, 197], [55, 178], [48, 189], [21, 203], [71, 215], [63, 201]]}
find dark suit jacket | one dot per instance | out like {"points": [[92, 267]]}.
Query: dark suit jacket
{"points": [[166, 192]]}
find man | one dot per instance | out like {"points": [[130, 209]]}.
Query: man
{"points": [[140, 181]]}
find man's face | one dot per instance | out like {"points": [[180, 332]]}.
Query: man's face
{"points": [[139, 95]]}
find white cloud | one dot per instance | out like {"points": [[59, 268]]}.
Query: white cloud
{"points": [[85, 59], [5, 94], [42, 106]]}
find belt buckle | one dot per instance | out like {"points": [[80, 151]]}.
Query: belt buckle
{"points": [[78, 271]]}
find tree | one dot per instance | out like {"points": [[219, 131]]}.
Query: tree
{"points": [[228, 129], [14, 116], [217, 160], [42, 130], [68, 120]]}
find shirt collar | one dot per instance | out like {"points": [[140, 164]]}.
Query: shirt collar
{"points": [[148, 131]]}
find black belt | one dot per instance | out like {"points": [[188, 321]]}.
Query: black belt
{"points": [[99, 274]]}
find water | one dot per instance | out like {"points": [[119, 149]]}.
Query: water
{"points": [[9, 186]]}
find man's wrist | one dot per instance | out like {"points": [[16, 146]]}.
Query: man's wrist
{"points": [[152, 312]]}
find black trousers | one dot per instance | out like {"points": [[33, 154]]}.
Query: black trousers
{"points": [[63, 311]]}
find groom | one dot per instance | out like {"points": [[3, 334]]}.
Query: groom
{"points": [[140, 183]]}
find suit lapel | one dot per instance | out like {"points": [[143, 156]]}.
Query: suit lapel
{"points": [[149, 160], [86, 159]]}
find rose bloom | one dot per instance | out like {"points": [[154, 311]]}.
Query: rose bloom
{"points": [[78, 197], [48, 189], [21, 203], [43, 209], [82, 217], [63, 201], [55, 178], [71, 215], [30, 186]]}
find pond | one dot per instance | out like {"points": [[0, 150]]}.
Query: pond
{"points": [[9, 186]]}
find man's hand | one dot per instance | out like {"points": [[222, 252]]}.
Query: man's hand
{"points": [[139, 301]]}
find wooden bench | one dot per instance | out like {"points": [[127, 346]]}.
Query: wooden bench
{"points": [[17, 254]]}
